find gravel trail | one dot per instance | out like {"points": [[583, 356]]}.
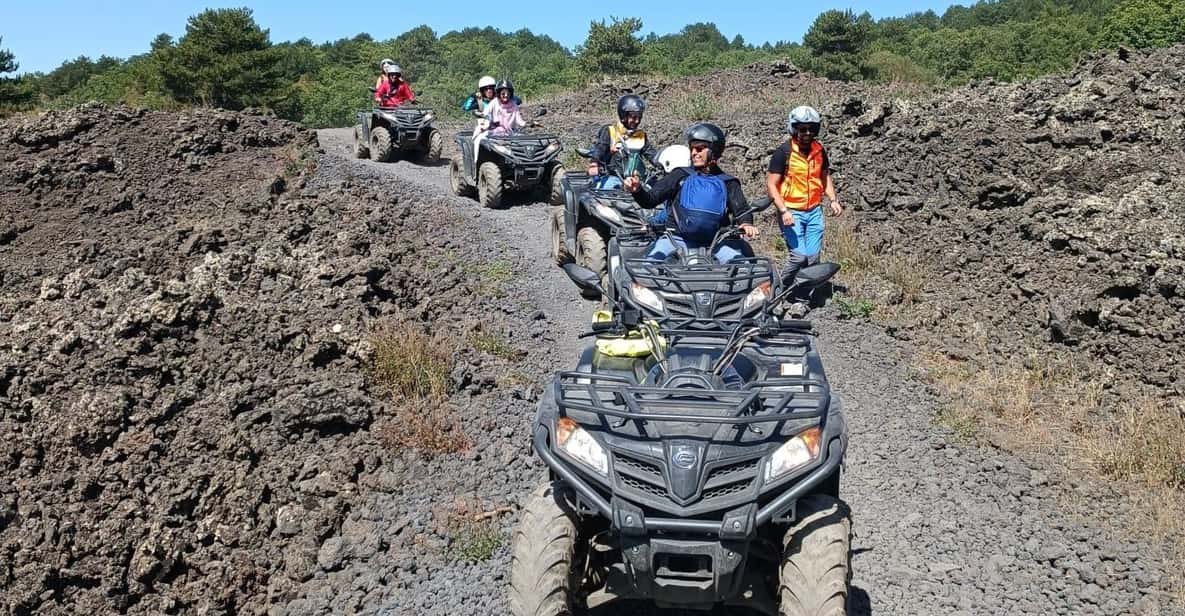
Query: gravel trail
{"points": [[941, 527]]}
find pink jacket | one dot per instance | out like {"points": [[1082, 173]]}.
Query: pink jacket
{"points": [[505, 119]]}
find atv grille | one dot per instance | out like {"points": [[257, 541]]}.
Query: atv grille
{"points": [[525, 150], [642, 486], [639, 466], [748, 466], [728, 489]]}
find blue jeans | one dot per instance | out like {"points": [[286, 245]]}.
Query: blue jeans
{"points": [[605, 182], [805, 236], [668, 244]]}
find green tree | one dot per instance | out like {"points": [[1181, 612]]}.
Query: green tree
{"points": [[73, 73], [225, 60], [1145, 23], [838, 41], [8, 62], [611, 49], [15, 92]]}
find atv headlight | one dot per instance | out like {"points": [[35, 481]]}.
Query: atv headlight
{"points": [[551, 148], [607, 212], [646, 297], [756, 297], [578, 443], [794, 454], [428, 117], [501, 149]]}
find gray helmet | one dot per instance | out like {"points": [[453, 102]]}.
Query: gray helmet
{"points": [[394, 68], [710, 134], [630, 103], [384, 64], [505, 84], [803, 114]]}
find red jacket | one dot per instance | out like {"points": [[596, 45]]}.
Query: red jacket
{"points": [[387, 98]]}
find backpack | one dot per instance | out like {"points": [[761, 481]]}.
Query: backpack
{"points": [[701, 206]]}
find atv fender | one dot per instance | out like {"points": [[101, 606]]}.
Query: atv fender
{"points": [[364, 120]]}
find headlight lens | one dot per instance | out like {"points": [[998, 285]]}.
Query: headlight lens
{"points": [[756, 297], [501, 149], [794, 454], [428, 117], [578, 443], [551, 148], [608, 213], [646, 297]]}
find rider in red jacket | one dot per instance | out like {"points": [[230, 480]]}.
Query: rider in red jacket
{"points": [[393, 92]]}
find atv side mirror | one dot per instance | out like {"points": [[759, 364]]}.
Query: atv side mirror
{"points": [[814, 275], [372, 90], [584, 152], [584, 278], [542, 112]]}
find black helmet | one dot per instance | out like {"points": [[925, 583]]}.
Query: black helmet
{"points": [[630, 103], [504, 85], [710, 134]]}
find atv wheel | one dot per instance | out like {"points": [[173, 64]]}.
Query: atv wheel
{"points": [[360, 149], [489, 185], [380, 144], [559, 245], [457, 181], [434, 142], [543, 567], [816, 560], [557, 185], [590, 253]]}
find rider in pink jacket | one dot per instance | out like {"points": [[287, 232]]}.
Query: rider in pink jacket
{"points": [[503, 112]]}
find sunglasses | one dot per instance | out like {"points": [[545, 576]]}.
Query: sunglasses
{"points": [[488, 89], [699, 147], [807, 128]]}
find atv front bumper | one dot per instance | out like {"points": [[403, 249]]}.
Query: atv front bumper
{"points": [[685, 562]]}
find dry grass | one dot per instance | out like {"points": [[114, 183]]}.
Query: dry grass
{"points": [[1057, 406], [695, 106], [412, 367], [473, 530], [866, 270]]}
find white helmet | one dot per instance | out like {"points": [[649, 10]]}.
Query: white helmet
{"points": [[384, 64], [394, 68], [803, 114], [486, 82], [674, 157]]}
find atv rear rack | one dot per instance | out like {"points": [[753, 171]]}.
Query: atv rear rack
{"points": [[674, 277]]}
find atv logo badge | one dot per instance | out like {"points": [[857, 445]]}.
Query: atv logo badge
{"points": [[684, 457], [703, 298]]}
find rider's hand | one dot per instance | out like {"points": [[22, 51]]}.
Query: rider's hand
{"points": [[632, 184], [787, 217], [593, 169], [750, 231], [836, 208]]}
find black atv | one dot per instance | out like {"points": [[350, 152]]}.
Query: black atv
{"points": [[704, 473], [592, 215], [517, 161], [691, 284], [385, 132]]}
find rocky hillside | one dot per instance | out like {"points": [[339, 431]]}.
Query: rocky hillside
{"points": [[189, 421], [1044, 215]]}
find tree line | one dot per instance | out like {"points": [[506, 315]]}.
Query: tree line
{"points": [[226, 59]]}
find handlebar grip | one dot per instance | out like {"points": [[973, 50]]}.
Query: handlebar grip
{"points": [[603, 326]]}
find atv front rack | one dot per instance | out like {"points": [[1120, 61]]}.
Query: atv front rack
{"points": [[775, 399]]}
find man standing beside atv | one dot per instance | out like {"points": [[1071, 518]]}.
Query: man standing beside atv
{"points": [[605, 151], [799, 175], [703, 199], [394, 91]]}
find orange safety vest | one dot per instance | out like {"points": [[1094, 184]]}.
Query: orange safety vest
{"points": [[803, 181]]}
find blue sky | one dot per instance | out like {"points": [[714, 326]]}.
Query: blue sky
{"points": [[44, 33]]}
